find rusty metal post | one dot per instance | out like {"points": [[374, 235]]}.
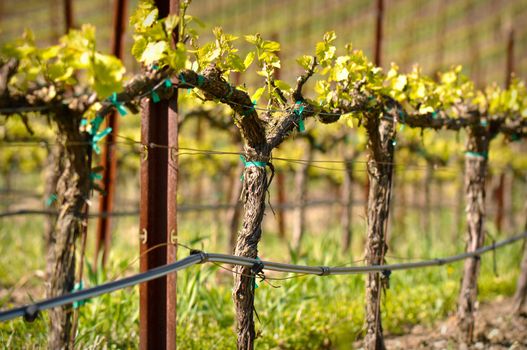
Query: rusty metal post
{"points": [[280, 214], [280, 177], [172, 178], [158, 224], [377, 60], [499, 191], [68, 14], [109, 156], [509, 70], [377, 52]]}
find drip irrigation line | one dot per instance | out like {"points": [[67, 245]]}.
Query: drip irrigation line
{"points": [[30, 312]]}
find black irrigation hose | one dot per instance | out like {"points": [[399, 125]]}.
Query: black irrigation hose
{"points": [[30, 312]]}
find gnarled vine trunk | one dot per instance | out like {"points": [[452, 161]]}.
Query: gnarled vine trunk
{"points": [[380, 171], [427, 215], [253, 198], [233, 214], [460, 200], [521, 288], [347, 195], [72, 192], [299, 214], [475, 173], [52, 172]]}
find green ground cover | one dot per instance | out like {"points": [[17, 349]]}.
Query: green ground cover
{"points": [[307, 312]]}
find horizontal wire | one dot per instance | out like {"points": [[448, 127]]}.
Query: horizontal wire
{"points": [[181, 208], [196, 151], [30, 311]]}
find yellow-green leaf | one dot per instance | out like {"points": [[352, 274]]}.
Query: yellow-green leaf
{"points": [[282, 85], [248, 59], [257, 94], [400, 83], [153, 52]]}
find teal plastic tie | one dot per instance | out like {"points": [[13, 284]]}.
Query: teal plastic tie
{"points": [[251, 163], [51, 200], [248, 164], [298, 112], [182, 79], [155, 67], [98, 137], [483, 155], [84, 122], [78, 287], [155, 97], [484, 123], [102, 134], [168, 83], [118, 105], [201, 80], [403, 122], [434, 115], [251, 109], [96, 124], [95, 176]]}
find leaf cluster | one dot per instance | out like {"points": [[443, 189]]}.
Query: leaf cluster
{"points": [[73, 62]]}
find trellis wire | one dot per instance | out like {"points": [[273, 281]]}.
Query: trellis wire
{"points": [[202, 207], [187, 151], [29, 312]]}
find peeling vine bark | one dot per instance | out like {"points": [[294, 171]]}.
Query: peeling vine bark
{"points": [[72, 192], [521, 288], [52, 172], [475, 173], [253, 197], [260, 134], [233, 214], [427, 214], [380, 171], [347, 194]]}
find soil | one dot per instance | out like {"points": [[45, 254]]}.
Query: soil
{"points": [[496, 329]]}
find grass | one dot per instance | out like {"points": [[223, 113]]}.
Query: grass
{"points": [[306, 312]]}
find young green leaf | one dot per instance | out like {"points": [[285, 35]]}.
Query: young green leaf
{"points": [[154, 52]]}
